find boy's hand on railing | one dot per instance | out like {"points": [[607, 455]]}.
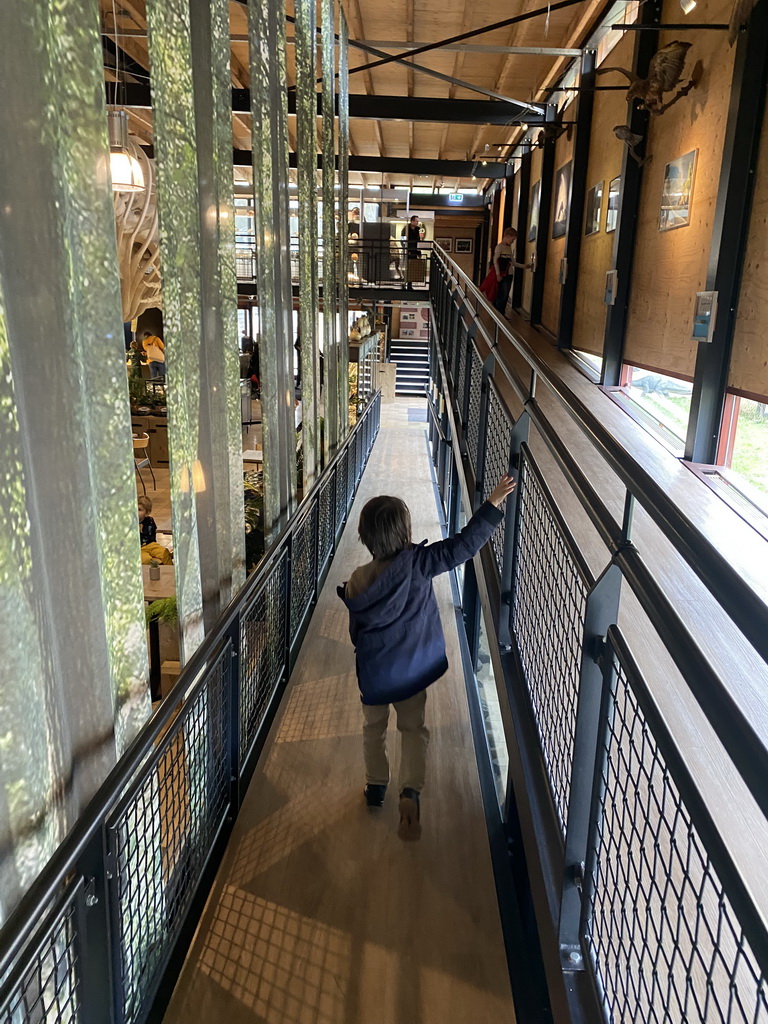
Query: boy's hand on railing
{"points": [[504, 487]]}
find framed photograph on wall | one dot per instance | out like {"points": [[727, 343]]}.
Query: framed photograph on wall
{"points": [[562, 200], [446, 244], [612, 217], [594, 209], [533, 216], [464, 245], [677, 192]]}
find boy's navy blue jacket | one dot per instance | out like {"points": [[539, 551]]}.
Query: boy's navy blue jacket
{"points": [[395, 624]]}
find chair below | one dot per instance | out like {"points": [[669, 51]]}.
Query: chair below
{"points": [[141, 459]]}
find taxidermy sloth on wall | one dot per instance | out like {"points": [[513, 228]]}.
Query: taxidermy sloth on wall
{"points": [[664, 73]]}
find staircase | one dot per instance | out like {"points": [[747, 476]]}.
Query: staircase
{"points": [[412, 358]]}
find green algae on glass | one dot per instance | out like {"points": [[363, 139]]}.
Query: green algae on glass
{"points": [[31, 824], [270, 191], [306, 141], [343, 360], [331, 397], [224, 361], [178, 208], [94, 313]]}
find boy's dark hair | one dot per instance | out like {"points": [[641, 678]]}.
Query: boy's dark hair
{"points": [[385, 526]]}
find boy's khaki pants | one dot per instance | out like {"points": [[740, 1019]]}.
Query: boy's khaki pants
{"points": [[414, 742]]}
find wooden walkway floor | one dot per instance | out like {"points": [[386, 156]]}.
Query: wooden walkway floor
{"points": [[319, 913]]}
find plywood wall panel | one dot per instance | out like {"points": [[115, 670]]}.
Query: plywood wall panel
{"points": [[670, 266], [550, 310], [749, 359], [605, 156], [530, 247]]}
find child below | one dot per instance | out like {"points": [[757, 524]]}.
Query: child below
{"points": [[147, 525], [395, 626]]}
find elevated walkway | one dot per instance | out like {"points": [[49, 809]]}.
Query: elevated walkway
{"points": [[319, 914]]}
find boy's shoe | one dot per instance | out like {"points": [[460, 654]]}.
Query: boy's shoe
{"points": [[374, 795], [410, 825]]}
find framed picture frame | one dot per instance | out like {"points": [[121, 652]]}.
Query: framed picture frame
{"points": [[612, 214], [533, 215], [677, 192], [446, 244], [466, 246], [594, 209], [562, 200]]}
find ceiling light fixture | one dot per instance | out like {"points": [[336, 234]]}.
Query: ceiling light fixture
{"points": [[687, 6], [125, 169]]}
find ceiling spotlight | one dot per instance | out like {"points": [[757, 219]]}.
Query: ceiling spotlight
{"points": [[524, 127], [687, 6]]}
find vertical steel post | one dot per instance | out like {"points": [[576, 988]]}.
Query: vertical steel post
{"points": [[730, 233], [542, 237], [524, 187], [617, 316], [601, 612], [575, 231], [97, 977], [518, 438]]}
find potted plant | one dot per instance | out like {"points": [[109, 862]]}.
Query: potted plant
{"points": [[154, 569]]}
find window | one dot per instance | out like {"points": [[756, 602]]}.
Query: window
{"points": [[606, 38], [590, 363], [660, 402], [744, 446]]}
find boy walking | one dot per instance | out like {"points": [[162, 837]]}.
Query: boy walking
{"points": [[395, 626]]}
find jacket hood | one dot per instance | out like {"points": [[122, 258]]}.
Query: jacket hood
{"points": [[382, 604]]}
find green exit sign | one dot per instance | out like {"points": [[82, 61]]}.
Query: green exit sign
{"points": [[456, 197]]}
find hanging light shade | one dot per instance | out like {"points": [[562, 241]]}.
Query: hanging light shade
{"points": [[125, 169]]}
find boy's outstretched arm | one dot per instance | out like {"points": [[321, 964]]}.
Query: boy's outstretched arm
{"points": [[447, 554]]}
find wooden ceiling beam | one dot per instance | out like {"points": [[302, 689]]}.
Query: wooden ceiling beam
{"points": [[356, 17]]}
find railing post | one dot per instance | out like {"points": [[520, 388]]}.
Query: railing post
{"points": [[518, 438], [482, 431], [96, 975], [602, 610], [235, 660]]}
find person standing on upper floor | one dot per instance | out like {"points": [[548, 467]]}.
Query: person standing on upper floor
{"points": [[504, 265], [154, 350]]}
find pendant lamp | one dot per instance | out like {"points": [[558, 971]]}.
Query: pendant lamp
{"points": [[127, 175]]}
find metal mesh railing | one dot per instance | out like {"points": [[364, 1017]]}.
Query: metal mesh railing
{"points": [[162, 835], [644, 914], [664, 940], [262, 651], [549, 602], [341, 489], [44, 988], [497, 448], [154, 828], [303, 569], [461, 372], [473, 413], [327, 522]]}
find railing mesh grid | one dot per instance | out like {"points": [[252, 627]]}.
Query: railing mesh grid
{"points": [[341, 489], [303, 568], [351, 471], [162, 838], [662, 936], [47, 988], [548, 609], [497, 447], [461, 372], [473, 415], [327, 508], [262, 652]]}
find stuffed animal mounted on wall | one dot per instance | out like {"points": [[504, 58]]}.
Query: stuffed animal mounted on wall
{"points": [[664, 73]]}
